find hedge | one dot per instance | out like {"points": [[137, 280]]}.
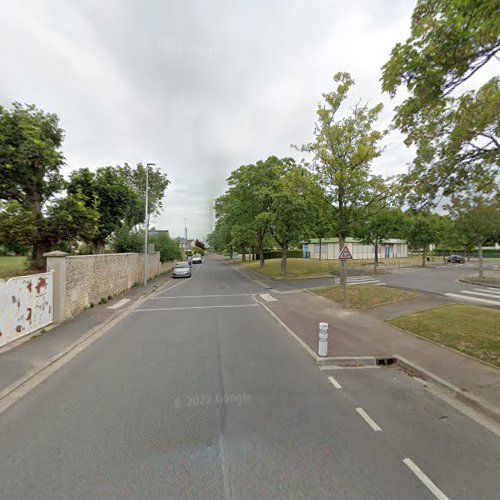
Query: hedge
{"points": [[276, 254]]}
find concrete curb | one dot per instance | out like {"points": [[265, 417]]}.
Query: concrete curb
{"points": [[28, 382], [492, 285], [457, 393]]}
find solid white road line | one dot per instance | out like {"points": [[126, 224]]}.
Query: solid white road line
{"points": [[335, 383], [473, 299], [495, 290], [119, 304], [368, 419], [193, 307], [203, 296], [428, 483], [267, 297]]}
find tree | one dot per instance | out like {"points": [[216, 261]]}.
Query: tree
{"points": [[199, 244], [424, 229], [387, 223], [118, 194], [293, 209], [342, 150], [455, 131], [30, 162], [478, 218], [220, 238], [169, 249]]}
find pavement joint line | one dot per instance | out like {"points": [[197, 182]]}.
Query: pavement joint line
{"points": [[194, 307], [368, 419], [335, 383], [425, 480], [21, 387]]}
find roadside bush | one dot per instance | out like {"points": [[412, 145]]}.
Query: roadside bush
{"points": [[276, 254], [126, 240], [198, 250], [169, 249]]}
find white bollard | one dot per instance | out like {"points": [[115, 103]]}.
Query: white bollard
{"points": [[323, 339]]}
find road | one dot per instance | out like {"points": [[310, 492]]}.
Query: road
{"points": [[199, 393], [440, 280]]}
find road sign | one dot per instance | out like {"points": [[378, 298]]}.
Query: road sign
{"points": [[345, 253]]}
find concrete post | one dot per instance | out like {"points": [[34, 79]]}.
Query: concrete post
{"points": [[323, 339], [56, 261]]}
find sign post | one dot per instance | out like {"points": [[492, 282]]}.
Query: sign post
{"points": [[345, 254]]}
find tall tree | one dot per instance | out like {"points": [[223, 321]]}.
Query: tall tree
{"points": [[343, 149], [477, 217], [30, 162], [424, 229], [293, 209], [455, 131], [118, 194], [387, 223]]}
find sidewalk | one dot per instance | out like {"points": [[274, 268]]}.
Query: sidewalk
{"points": [[354, 334], [27, 356]]}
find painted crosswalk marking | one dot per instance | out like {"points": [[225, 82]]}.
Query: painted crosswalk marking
{"points": [[267, 297], [479, 295]]}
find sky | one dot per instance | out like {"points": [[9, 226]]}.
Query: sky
{"points": [[199, 87]]}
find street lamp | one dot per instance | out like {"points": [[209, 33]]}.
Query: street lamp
{"points": [[185, 236], [146, 224]]}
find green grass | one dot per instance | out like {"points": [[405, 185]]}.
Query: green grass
{"points": [[485, 279], [13, 266], [473, 330], [314, 268], [363, 296]]}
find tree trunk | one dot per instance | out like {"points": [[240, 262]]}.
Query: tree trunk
{"points": [[320, 249], [284, 254], [98, 246], [39, 248], [231, 252], [375, 261], [480, 252], [424, 256], [260, 244]]}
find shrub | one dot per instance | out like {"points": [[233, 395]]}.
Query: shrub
{"points": [[169, 249], [125, 240], [198, 250]]}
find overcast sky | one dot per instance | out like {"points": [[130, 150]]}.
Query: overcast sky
{"points": [[199, 87]]}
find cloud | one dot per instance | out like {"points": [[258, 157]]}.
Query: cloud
{"points": [[197, 87]]}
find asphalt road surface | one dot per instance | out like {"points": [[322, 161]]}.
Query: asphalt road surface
{"points": [[442, 280], [199, 393]]}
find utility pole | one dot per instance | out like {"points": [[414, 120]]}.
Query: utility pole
{"points": [[185, 236], [146, 225]]}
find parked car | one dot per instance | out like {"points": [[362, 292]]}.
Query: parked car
{"points": [[181, 270], [197, 258], [455, 259]]}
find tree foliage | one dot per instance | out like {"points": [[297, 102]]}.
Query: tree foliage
{"points": [[343, 149], [455, 131]]}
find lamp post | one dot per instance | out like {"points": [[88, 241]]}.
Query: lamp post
{"points": [[146, 224], [185, 237]]}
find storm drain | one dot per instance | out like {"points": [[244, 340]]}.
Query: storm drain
{"points": [[386, 361]]}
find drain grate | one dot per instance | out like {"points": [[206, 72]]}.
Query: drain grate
{"points": [[386, 361]]}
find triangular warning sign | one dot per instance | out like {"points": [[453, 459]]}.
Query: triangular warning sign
{"points": [[345, 253]]}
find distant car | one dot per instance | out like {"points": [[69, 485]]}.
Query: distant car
{"points": [[455, 259], [181, 270], [197, 258]]}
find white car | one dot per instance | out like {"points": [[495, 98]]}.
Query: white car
{"points": [[196, 259], [181, 270]]}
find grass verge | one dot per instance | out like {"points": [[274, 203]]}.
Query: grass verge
{"points": [[364, 296], [486, 279], [314, 268], [12, 266], [473, 330]]}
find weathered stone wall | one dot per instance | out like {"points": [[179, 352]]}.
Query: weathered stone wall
{"points": [[89, 278]]}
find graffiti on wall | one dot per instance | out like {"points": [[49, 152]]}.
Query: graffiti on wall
{"points": [[26, 304]]}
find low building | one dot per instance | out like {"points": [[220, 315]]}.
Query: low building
{"points": [[330, 249]]}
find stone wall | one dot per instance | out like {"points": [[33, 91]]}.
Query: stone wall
{"points": [[86, 279]]}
